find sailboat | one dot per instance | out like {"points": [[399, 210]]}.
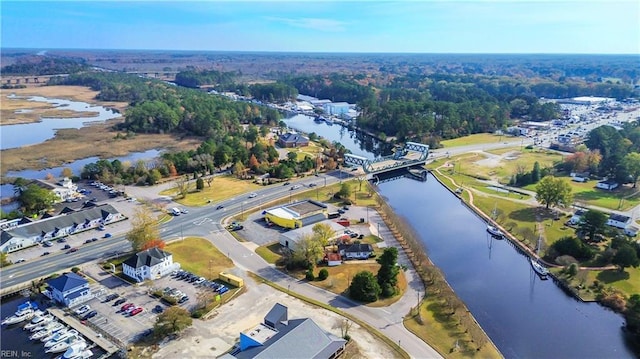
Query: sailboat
{"points": [[535, 263], [493, 230]]}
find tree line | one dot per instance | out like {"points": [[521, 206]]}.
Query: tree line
{"points": [[45, 65]]}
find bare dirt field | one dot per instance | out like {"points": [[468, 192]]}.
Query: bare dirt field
{"points": [[213, 337]]}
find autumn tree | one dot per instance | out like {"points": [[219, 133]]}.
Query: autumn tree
{"points": [[323, 233], [552, 191], [238, 169], [173, 320], [67, 172], [181, 185], [154, 243], [308, 249], [144, 229], [209, 180], [331, 164], [253, 162]]}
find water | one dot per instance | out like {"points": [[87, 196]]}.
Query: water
{"points": [[359, 143], [14, 338], [524, 316], [13, 136]]}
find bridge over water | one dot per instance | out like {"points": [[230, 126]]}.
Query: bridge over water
{"points": [[410, 155]]}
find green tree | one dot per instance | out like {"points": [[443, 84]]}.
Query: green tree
{"points": [[144, 229], [535, 173], [626, 256], [323, 233], [308, 248], [323, 274], [199, 184], [593, 222], [552, 191], [35, 199], [345, 190], [172, 320], [364, 287], [388, 272], [631, 163], [3, 260]]}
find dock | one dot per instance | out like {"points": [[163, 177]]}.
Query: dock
{"points": [[98, 338]]}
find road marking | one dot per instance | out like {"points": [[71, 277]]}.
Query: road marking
{"points": [[202, 221]]}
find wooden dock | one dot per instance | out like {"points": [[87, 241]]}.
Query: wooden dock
{"points": [[97, 338]]}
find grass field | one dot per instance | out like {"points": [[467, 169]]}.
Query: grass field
{"points": [[442, 332], [199, 256], [476, 139], [222, 187], [270, 252], [621, 199]]}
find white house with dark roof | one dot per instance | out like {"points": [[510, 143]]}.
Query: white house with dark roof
{"points": [[64, 188], [150, 264], [280, 337], [607, 185], [32, 233], [618, 221], [69, 289], [355, 250]]}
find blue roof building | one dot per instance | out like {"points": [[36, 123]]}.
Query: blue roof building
{"points": [[69, 289]]}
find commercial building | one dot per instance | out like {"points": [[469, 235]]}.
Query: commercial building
{"points": [[64, 189], [69, 289], [32, 233], [335, 108], [297, 214], [292, 139], [280, 337], [150, 264], [289, 239]]}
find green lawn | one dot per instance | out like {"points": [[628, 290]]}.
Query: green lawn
{"points": [[197, 255], [621, 199], [476, 139], [222, 188], [270, 252]]}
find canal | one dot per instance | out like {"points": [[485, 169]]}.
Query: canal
{"points": [[524, 316]]}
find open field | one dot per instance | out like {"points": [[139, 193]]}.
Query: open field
{"points": [[621, 199], [199, 256], [222, 187], [476, 139]]}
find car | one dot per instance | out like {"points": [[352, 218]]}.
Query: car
{"points": [[111, 297], [66, 246], [94, 239], [346, 208], [20, 260], [219, 207], [340, 210], [353, 235], [312, 184], [47, 244], [87, 241], [107, 235], [101, 228], [223, 290], [199, 280], [94, 199], [158, 309], [90, 315], [126, 306], [183, 299], [45, 254], [184, 211], [136, 311], [286, 183], [295, 187], [253, 195], [82, 310], [119, 301], [72, 250], [62, 240]]}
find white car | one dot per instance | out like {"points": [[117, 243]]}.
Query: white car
{"points": [[253, 195], [83, 309]]}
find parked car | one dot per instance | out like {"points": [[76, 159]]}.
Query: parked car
{"points": [[62, 240], [199, 280], [158, 309], [66, 246], [87, 241], [107, 235], [119, 301], [83, 309], [20, 260], [46, 253], [223, 290], [72, 250], [90, 315], [126, 306], [94, 239], [111, 297], [47, 244], [183, 299], [136, 311]]}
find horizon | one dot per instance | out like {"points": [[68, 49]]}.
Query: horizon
{"points": [[402, 27]]}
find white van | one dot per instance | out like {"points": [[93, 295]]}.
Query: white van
{"points": [[175, 211]]}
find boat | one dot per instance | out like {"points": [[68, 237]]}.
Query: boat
{"points": [[59, 336], [18, 317], [85, 354], [38, 320], [494, 231], [535, 262], [48, 331], [74, 350], [65, 344]]}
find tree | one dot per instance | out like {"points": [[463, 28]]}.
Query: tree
{"points": [[3, 260], [323, 232], [67, 172], [172, 320], [626, 256], [345, 191], [144, 229], [154, 243], [552, 191], [593, 222], [309, 249], [35, 199], [631, 163], [199, 184], [209, 181], [535, 173], [323, 274], [181, 186], [364, 287], [388, 272]]}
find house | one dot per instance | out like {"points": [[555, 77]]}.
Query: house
{"points": [[53, 227], [355, 250], [292, 139], [618, 221], [280, 337], [64, 189], [150, 264], [579, 176], [631, 231], [607, 185], [290, 239], [69, 289]]}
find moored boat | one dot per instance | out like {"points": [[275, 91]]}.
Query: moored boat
{"points": [[494, 231], [47, 331], [38, 320], [19, 317], [539, 268], [59, 336], [75, 350], [63, 345]]}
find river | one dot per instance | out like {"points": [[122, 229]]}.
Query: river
{"points": [[524, 316], [12, 136]]}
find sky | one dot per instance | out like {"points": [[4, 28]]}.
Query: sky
{"points": [[498, 26]]}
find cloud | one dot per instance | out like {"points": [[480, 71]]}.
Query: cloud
{"points": [[328, 25]]}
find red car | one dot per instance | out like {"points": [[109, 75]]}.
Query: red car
{"points": [[136, 311], [126, 306]]}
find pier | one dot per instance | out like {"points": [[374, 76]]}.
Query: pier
{"points": [[98, 338]]}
